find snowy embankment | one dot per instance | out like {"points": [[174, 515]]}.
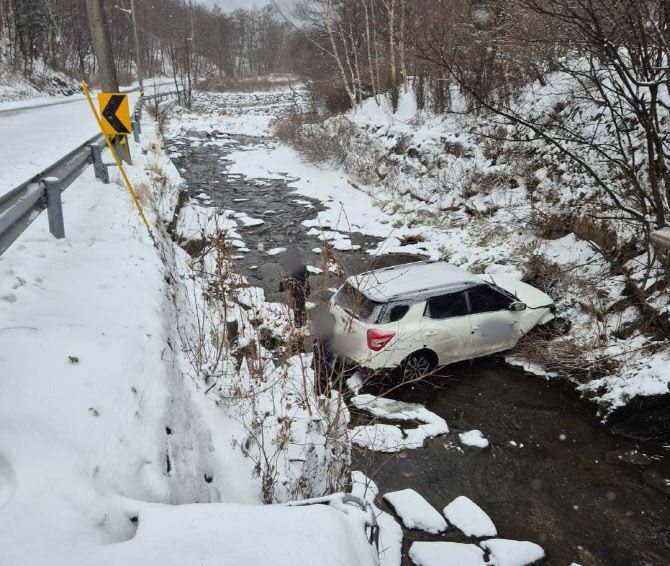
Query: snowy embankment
{"points": [[443, 189], [103, 425], [44, 82]]}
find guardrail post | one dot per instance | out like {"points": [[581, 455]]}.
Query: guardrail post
{"points": [[122, 150], [136, 132], [99, 167], [54, 206]]}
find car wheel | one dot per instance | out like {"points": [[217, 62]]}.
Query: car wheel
{"points": [[416, 366]]}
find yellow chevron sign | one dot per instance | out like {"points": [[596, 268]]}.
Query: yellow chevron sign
{"points": [[115, 113]]}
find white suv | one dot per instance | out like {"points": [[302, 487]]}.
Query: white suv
{"points": [[421, 315]]}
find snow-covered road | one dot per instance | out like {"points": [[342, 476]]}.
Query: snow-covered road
{"points": [[35, 136]]}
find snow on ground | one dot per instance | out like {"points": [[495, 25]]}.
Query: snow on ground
{"points": [[529, 367], [111, 314], [390, 532], [197, 222], [235, 535], [96, 308], [469, 518], [415, 512], [513, 552], [649, 375], [474, 438], [446, 554]]}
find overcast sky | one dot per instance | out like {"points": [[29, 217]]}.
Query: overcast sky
{"points": [[229, 5]]}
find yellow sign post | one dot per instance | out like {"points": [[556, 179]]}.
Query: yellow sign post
{"points": [[115, 113], [108, 138]]}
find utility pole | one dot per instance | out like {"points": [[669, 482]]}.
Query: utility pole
{"points": [[137, 49], [102, 47]]}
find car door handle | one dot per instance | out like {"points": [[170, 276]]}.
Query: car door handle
{"points": [[430, 332]]}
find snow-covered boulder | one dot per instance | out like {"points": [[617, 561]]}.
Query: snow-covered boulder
{"points": [[467, 516], [473, 438], [506, 552], [446, 554], [415, 512]]}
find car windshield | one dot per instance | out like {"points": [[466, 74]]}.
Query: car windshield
{"points": [[357, 304]]}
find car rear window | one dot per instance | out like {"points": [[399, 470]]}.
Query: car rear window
{"points": [[357, 304]]}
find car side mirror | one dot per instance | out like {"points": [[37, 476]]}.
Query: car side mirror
{"points": [[517, 306]]}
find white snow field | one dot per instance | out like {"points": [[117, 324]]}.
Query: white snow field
{"points": [[469, 518], [415, 512], [506, 552], [89, 387], [446, 554], [474, 438]]}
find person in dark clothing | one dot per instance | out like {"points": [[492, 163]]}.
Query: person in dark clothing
{"points": [[296, 285], [324, 359]]}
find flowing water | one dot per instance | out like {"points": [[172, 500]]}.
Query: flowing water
{"points": [[566, 483]]}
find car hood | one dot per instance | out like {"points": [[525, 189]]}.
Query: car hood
{"points": [[534, 298]]}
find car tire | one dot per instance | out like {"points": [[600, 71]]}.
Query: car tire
{"points": [[416, 365]]}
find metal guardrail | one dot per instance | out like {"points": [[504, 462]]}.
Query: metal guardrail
{"points": [[21, 205]]}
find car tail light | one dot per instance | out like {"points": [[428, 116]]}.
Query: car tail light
{"points": [[377, 339]]}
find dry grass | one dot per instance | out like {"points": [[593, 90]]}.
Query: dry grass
{"points": [[246, 84], [317, 142]]}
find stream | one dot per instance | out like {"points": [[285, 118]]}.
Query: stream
{"points": [[566, 483]]}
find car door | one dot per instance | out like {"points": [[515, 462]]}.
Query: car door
{"points": [[445, 327], [494, 326]]}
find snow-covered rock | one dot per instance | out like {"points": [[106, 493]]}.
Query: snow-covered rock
{"points": [[380, 438], [505, 552], [446, 554], [248, 222], [276, 251], [415, 512], [468, 517], [391, 438], [473, 438]]}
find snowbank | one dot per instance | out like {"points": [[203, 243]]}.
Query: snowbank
{"points": [[232, 535], [94, 411]]}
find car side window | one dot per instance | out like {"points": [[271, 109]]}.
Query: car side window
{"points": [[447, 306], [487, 299], [398, 312]]}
